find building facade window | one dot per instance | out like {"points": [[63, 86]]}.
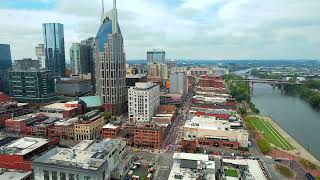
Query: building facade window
{"points": [[45, 175], [71, 177], [63, 176], [54, 175]]}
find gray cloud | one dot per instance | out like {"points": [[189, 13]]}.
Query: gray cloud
{"points": [[203, 29]]}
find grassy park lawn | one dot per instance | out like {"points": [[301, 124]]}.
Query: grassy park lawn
{"points": [[270, 133], [231, 172]]}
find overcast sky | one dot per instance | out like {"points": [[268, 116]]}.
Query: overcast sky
{"points": [[189, 29]]}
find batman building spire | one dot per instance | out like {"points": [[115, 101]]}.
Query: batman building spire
{"points": [[102, 12], [110, 64]]}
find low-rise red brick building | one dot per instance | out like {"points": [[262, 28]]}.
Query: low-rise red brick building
{"points": [[63, 110], [9, 108], [24, 125], [211, 81], [62, 130], [217, 116], [110, 131], [17, 153], [148, 136]]}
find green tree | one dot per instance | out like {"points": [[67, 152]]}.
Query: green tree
{"points": [[107, 116], [264, 146]]}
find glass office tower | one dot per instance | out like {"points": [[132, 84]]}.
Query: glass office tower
{"points": [[5, 57], [110, 64], [53, 36]]}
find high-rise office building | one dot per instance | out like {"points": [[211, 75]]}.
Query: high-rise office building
{"points": [[172, 64], [26, 64], [110, 64], [158, 70], [53, 36], [156, 56], [5, 57], [39, 49], [143, 101], [36, 86], [91, 43], [80, 59], [178, 83], [164, 71]]}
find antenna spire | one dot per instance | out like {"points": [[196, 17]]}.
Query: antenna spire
{"points": [[114, 18], [102, 12], [114, 4]]}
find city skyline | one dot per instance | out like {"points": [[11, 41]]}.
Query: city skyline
{"points": [[185, 29]]}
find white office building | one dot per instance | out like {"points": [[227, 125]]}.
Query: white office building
{"points": [[89, 160], [143, 101]]}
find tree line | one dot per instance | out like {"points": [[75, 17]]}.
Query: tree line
{"points": [[309, 91]]}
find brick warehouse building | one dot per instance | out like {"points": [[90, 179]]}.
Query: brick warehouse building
{"points": [[17, 153], [9, 108], [148, 136], [24, 125], [110, 131], [211, 81]]}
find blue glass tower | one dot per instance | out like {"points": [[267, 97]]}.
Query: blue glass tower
{"points": [[53, 36], [5, 57], [110, 63]]}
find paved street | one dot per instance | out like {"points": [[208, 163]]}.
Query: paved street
{"points": [[176, 128]]}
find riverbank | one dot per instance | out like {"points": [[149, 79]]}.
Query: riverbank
{"points": [[300, 150]]}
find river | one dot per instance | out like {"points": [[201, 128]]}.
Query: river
{"points": [[293, 114]]}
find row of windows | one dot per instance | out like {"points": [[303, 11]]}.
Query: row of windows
{"points": [[63, 176]]}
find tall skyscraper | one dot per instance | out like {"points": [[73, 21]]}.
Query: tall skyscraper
{"points": [[110, 63], [80, 59], [39, 49], [156, 56], [5, 57], [53, 36], [178, 83], [91, 43]]}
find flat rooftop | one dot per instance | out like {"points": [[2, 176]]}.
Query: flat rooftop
{"points": [[203, 164], [58, 106], [26, 117], [88, 154], [67, 122], [210, 123], [191, 156], [23, 146], [110, 126], [14, 175], [71, 157], [253, 167]]}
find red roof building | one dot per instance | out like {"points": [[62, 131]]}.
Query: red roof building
{"points": [[17, 153]]}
